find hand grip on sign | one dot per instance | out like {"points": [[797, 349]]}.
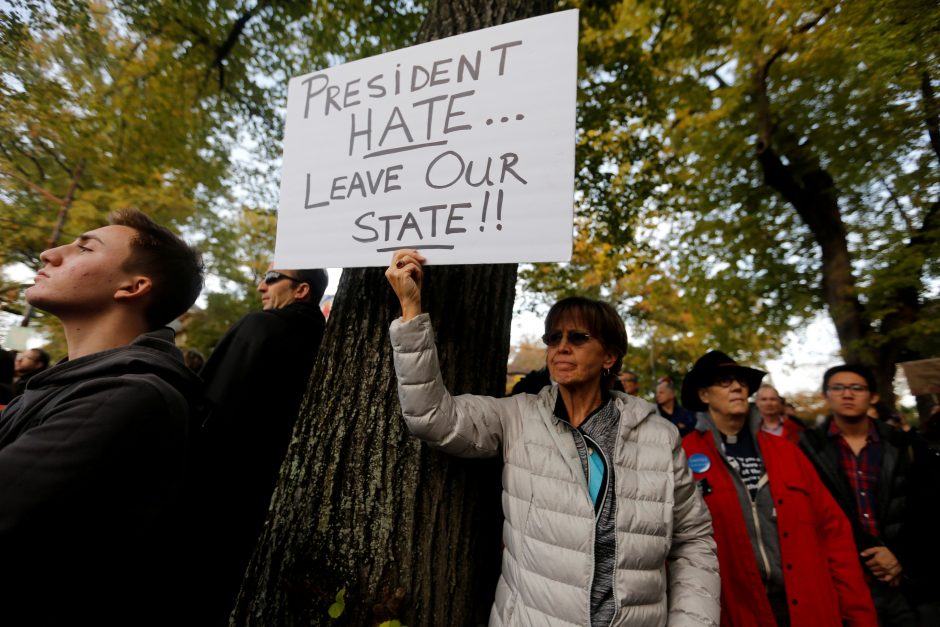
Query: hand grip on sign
{"points": [[405, 274]]}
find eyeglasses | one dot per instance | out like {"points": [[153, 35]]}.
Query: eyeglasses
{"points": [[855, 388], [271, 277], [725, 380], [575, 338]]}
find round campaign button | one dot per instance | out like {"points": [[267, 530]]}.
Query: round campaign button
{"points": [[699, 462]]}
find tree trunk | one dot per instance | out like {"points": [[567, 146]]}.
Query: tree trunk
{"points": [[812, 193], [361, 506]]}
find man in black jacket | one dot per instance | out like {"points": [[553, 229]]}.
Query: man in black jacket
{"points": [[255, 381], [92, 455], [885, 481], [28, 364]]}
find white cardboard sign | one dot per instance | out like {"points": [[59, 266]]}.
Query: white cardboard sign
{"points": [[462, 148]]}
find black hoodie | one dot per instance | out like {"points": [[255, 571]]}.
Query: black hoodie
{"points": [[92, 460]]}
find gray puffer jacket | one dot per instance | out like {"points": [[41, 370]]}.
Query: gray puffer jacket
{"points": [[667, 568]]}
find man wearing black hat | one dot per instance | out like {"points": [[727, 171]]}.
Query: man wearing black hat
{"points": [[785, 549]]}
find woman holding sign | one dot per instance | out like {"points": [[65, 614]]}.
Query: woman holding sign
{"points": [[604, 525]]}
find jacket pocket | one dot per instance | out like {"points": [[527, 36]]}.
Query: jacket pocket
{"points": [[796, 497]]}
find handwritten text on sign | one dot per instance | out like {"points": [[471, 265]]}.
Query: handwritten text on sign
{"points": [[463, 145]]}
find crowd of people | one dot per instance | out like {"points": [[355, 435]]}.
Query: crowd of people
{"points": [[132, 487]]}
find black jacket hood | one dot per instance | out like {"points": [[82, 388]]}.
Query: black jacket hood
{"points": [[150, 353]]}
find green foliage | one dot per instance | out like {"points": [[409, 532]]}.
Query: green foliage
{"points": [[152, 98], [337, 608], [76, 89], [677, 222]]}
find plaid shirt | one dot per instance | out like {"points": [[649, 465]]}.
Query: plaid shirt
{"points": [[862, 473]]}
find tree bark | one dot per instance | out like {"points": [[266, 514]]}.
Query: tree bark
{"points": [[361, 506], [812, 193]]}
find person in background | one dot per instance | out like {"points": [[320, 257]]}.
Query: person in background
{"points": [[603, 525], [255, 382], [630, 382], [93, 453], [784, 547], [532, 383], [773, 418], [669, 409], [931, 428], [886, 481], [29, 363], [6, 377], [881, 411]]}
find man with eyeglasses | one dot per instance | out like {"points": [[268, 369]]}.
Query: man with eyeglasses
{"points": [[885, 481], [255, 381], [785, 552]]}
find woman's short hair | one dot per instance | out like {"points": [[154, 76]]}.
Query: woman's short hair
{"points": [[600, 319]]}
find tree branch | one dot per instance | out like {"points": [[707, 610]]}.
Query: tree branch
{"points": [[10, 158], [799, 29], [892, 197], [55, 157], [654, 45], [931, 112], [929, 230], [238, 27], [36, 188], [713, 72], [40, 171]]}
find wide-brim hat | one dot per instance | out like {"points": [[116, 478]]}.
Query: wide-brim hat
{"points": [[709, 367]]}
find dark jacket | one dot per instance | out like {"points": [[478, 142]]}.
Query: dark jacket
{"points": [[20, 386], [680, 416], [255, 381], [907, 490], [92, 459], [6, 377]]}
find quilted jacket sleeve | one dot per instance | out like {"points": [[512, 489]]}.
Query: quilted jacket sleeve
{"points": [[466, 425], [694, 585]]}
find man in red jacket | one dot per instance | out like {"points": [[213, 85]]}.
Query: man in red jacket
{"points": [[773, 415], [785, 548]]}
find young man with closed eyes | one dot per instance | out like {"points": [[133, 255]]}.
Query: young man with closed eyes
{"points": [[93, 454]]}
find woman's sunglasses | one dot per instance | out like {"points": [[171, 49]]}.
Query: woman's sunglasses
{"points": [[575, 338]]}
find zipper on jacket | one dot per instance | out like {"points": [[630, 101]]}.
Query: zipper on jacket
{"points": [[757, 531], [608, 470], [587, 491], [603, 497], [587, 479]]}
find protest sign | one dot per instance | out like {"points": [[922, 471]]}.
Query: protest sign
{"points": [[462, 148], [923, 376]]}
